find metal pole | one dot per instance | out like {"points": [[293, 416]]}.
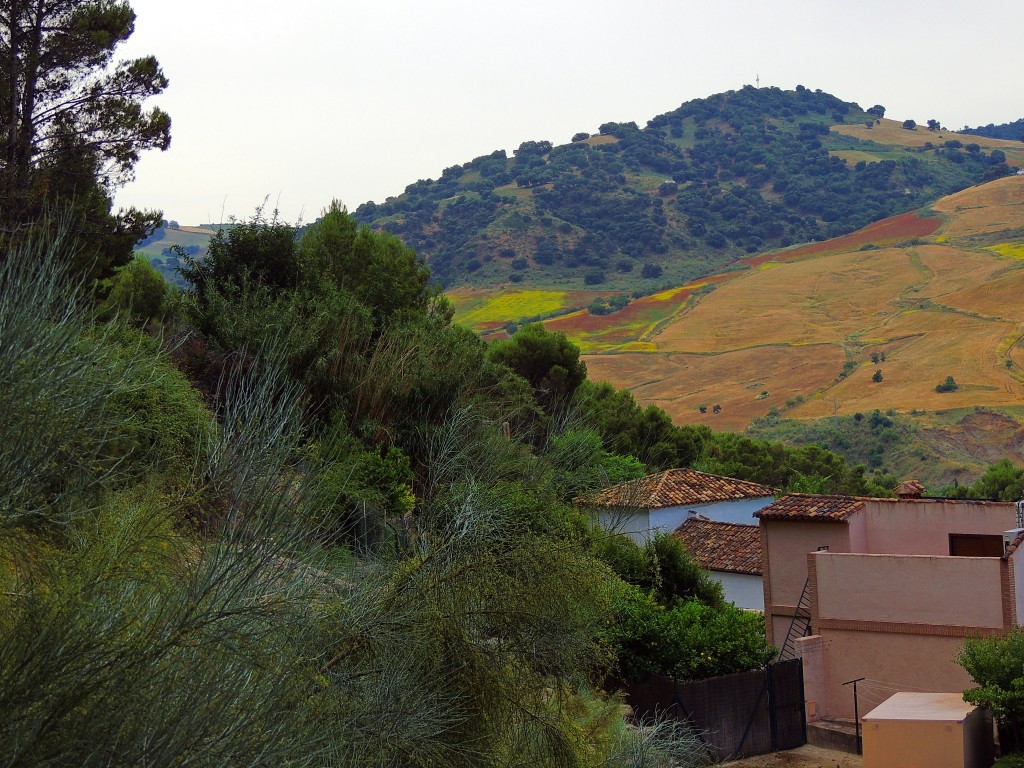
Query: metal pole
{"points": [[856, 712]]}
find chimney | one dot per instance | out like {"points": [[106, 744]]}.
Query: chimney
{"points": [[909, 489]]}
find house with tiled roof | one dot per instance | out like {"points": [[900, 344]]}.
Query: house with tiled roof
{"points": [[731, 553], [886, 589], [662, 502]]}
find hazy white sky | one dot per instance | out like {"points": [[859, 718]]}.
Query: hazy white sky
{"points": [[310, 100]]}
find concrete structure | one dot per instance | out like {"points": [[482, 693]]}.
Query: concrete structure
{"points": [[663, 501], [731, 553], [886, 589], [927, 730]]}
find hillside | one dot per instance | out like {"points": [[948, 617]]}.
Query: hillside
{"points": [[157, 248], [1012, 131], [638, 209], [800, 334]]}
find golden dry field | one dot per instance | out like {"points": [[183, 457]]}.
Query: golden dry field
{"points": [[892, 133], [803, 328]]}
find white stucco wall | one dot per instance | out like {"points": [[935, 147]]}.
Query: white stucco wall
{"points": [[741, 511], [743, 589], [634, 524]]}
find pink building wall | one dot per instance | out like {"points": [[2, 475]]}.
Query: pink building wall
{"points": [[901, 619], [888, 602], [784, 548], [919, 589], [922, 526]]}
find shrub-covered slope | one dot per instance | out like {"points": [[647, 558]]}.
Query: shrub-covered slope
{"points": [[694, 190]]}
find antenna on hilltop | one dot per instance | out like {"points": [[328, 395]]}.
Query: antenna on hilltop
{"points": [[758, 80]]}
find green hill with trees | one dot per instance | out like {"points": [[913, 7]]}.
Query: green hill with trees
{"points": [[1013, 131], [684, 196]]}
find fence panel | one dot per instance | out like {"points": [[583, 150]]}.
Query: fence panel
{"points": [[741, 715], [732, 712]]}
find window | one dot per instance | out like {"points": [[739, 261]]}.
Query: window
{"points": [[975, 545]]}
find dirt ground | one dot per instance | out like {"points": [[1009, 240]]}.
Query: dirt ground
{"points": [[804, 757]]}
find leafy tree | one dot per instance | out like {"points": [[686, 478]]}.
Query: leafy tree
{"points": [[376, 267], [548, 361], [72, 125], [878, 110], [650, 271], [910, 125], [949, 385], [687, 641], [1002, 481], [260, 252], [876, 376], [581, 136], [59, 81], [137, 291], [629, 429], [996, 665]]}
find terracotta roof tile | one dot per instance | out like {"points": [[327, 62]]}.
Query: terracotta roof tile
{"points": [[722, 546], [809, 506], [909, 487], [674, 488]]}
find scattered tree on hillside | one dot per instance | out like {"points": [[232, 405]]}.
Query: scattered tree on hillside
{"points": [[934, 125], [949, 385], [910, 125], [878, 110], [876, 377], [651, 271]]}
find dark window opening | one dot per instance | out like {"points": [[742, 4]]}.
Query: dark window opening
{"points": [[975, 545]]}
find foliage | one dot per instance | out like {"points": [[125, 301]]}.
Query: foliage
{"points": [[548, 361], [261, 252], [581, 463], [788, 468], [1002, 481], [661, 568], [996, 665], [208, 624], [686, 641], [949, 385], [876, 376], [138, 292], [73, 126], [1013, 131], [647, 433], [875, 441], [84, 407], [756, 171], [377, 268]]}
